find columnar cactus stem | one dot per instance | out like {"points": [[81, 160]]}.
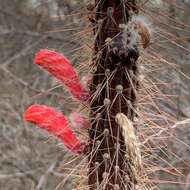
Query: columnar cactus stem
{"points": [[114, 86]]}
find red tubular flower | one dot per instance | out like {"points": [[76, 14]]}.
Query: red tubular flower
{"points": [[79, 121], [60, 67], [55, 123]]}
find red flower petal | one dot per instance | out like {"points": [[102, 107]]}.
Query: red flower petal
{"points": [[79, 120], [60, 67], [55, 123]]}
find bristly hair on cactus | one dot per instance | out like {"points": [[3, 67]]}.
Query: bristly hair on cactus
{"points": [[60, 67], [55, 123], [79, 120]]}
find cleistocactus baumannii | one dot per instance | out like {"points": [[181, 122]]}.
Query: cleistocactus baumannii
{"points": [[112, 149]]}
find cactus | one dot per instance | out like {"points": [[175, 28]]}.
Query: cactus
{"points": [[114, 158], [115, 87]]}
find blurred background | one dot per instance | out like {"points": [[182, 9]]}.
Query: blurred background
{"points": [[29, 160]]}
